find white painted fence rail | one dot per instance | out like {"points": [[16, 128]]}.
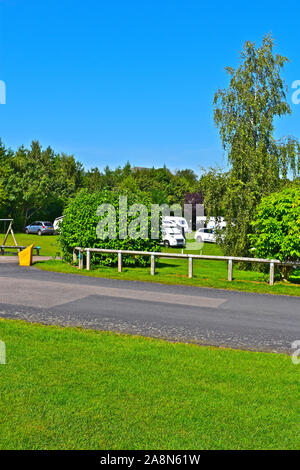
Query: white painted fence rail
{"points": [[190, 257]]}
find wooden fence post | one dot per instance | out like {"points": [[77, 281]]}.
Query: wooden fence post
{"points": [[88, 259], [230, 270], [271, 281], [190, 266], [119, 262], [152, 265]]}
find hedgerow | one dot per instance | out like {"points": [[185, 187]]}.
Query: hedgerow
{"points": [[79, 228], [277, 227]]}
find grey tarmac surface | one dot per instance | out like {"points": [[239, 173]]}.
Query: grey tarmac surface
{"points": [[177, 313]]}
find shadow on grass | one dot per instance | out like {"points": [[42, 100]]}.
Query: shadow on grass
{"points": [[295, 277]]}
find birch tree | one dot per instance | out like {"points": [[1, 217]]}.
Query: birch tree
{"points": [[244, 114]]}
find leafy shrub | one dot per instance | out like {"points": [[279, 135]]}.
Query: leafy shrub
{"points": [[277, 227], [80, 224]]}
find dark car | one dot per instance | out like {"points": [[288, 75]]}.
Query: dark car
{"points": [[40, 228]]}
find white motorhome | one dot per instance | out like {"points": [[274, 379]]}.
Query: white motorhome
{"points": [[179, 221], [172, 235]]}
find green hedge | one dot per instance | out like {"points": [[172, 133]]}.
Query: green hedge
{"points": [[79, 228], [277, 227]]}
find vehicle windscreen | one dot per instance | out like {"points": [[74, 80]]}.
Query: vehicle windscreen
{"points": [[47, 224]]}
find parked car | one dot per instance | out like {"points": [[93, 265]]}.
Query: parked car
{"points": [[40, 228], [56, 223], [205, 235]]}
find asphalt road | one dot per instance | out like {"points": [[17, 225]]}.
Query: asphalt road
{"points": [[177, 313]]}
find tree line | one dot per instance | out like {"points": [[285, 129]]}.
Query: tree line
{"points": [[37, 183]]}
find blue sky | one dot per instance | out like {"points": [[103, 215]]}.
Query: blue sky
{"points": [[111, 81]]}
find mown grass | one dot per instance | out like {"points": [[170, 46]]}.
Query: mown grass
{"points": [[66, 388], [48, 243], [173, 271]]}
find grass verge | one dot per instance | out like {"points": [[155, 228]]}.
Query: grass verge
{"points": [[172, 271], [66, 388]]}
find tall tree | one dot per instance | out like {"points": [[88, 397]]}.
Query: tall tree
{"points": [[4, 173], [39, 183], [244, 114]]}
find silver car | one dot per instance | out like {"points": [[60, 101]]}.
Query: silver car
{"points": [[40, 228]]}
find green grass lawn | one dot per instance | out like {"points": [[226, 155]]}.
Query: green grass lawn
{"points": [[66, 388], [48, 243], [206, 274]]}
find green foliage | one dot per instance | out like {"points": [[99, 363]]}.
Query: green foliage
{"points": [[277, 226], [213, 183], [36, 183], [160, 184], [244, 114], [80, 224], [4, 174]]}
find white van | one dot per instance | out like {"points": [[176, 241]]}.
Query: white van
{"points": [[179, 221], [172, 236], [57, 223]]}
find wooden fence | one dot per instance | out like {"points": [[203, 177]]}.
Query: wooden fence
{"points": [[190, 258]]}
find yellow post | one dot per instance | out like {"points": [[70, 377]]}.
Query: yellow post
{"points": [[25, 256]]}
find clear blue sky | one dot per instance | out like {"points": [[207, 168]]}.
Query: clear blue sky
{"points": [[111, 81]]}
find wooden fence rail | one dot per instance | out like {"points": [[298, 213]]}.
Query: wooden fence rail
{"points": [[190, 257]]}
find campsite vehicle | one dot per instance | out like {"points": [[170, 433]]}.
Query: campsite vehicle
{"points": [[57, 223], [179, 221], [205, 235], [172, 235], [40, 228], [211, 222]]}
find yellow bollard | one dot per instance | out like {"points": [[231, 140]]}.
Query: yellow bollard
{"points": [[25, 256]]}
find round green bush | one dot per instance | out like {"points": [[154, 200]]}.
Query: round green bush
{"points": [[277, 227]]}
